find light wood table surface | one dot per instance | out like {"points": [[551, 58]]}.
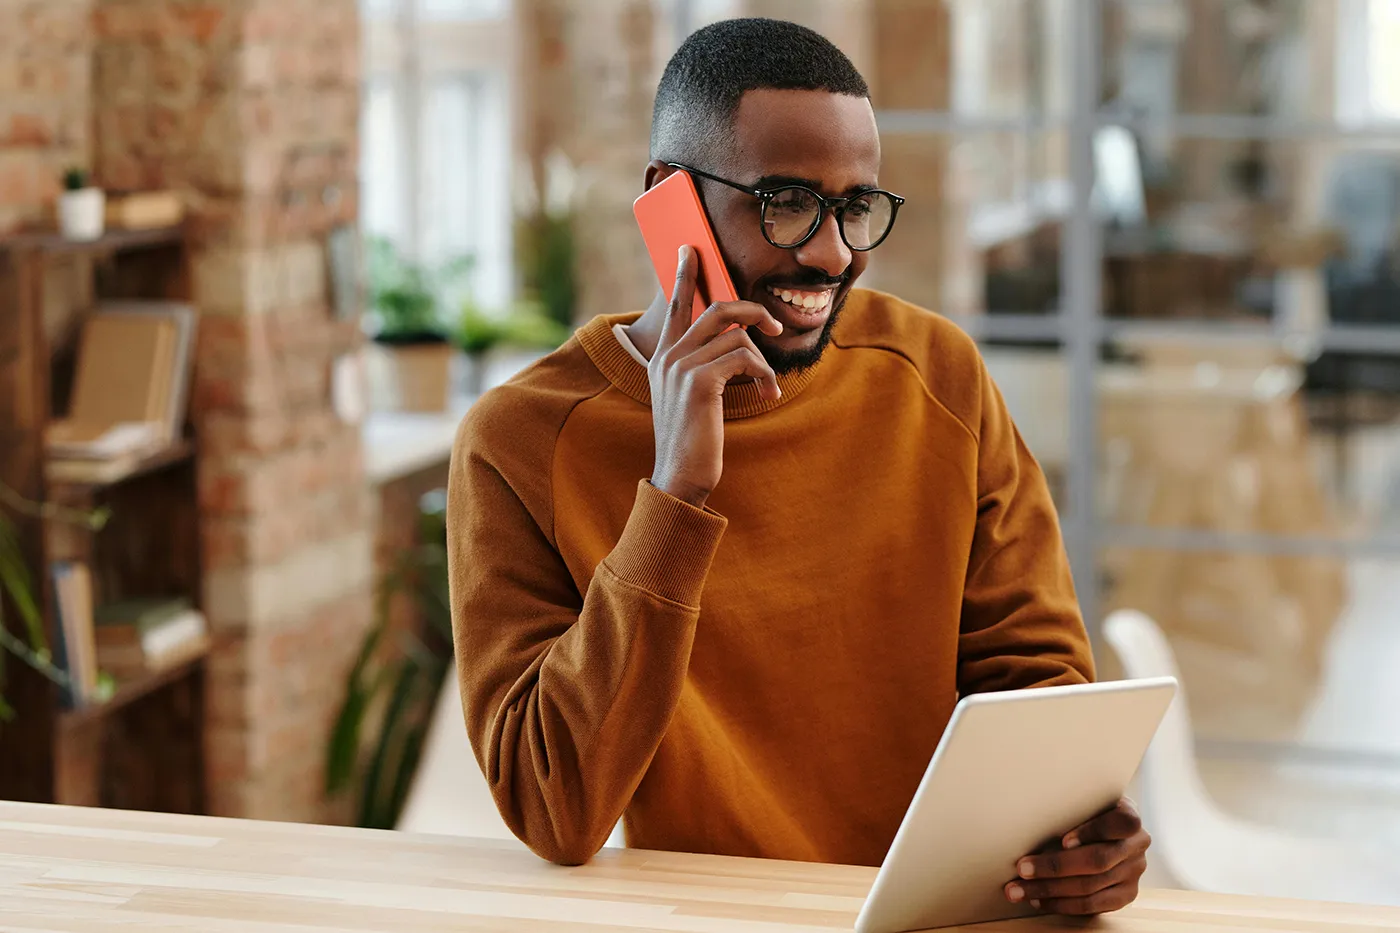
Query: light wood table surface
{"points": [[65, 868]]}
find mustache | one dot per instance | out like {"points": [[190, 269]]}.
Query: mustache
{"points": [[814, 280]]}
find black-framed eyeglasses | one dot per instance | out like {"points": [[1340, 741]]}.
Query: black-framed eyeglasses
{"points": [[792, 214]]}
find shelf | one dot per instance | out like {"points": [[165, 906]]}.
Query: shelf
{"points": [[98, 474], [113, 241], [130, 691]]}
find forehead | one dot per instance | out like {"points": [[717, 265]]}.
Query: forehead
{"points": [[826, 137]]}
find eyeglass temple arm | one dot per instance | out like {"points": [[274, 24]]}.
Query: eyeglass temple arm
{"points": [[723, 181]]}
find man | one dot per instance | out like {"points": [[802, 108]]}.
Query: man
{"points": [[728, 583]]}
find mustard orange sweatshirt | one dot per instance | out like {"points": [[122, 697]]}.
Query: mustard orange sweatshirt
{"points": [[767, 676]]}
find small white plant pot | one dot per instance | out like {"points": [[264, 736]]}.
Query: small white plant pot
{"points": [[81, 214]]}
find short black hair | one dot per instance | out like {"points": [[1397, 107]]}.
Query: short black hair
{"points": [[716, 65]]}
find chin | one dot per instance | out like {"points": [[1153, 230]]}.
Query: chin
{"points": [[786, 360]]}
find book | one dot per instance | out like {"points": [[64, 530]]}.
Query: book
{"points": [[165, 633], [175, 391], [130, 392], [70, 440], [96, 472], [144, 210], [73, 588], [141, 613], [118, 370]]}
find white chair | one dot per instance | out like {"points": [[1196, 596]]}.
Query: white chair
{"points": [[1203, 847], [449, 795]]}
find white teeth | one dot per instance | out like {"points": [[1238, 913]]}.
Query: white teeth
{"points": [[807, 302]]}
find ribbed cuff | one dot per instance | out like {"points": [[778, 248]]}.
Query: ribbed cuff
{"points": [[667, 546]]}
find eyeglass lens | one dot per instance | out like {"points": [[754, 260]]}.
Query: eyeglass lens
{"points": [[791, 214]]}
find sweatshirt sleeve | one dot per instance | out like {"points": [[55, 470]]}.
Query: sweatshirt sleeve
{"points": [[567, 695], [1021, 625]]}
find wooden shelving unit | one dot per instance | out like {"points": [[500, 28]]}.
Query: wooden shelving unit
{"points": [[142, 748], [120, 471]]}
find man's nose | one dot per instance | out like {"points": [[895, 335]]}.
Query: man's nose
{"points": [[826, 250]]}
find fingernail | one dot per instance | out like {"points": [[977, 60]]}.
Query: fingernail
{"points": [[681, 253], [1072, 841], [1014, 894], [1035, 904], [1027, 868]]}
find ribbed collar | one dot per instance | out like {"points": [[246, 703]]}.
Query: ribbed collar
{"points": [[630, 377]]}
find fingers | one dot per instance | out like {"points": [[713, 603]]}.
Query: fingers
{"points": [[1093, 859], [682, 300], [721, 317], [1109, 899], [725, 342], [1122, 822], [743, 361], [1040, 893]]}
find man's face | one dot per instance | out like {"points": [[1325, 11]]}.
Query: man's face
{"points": [[827, 142]]}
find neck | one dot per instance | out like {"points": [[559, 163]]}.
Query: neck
{"points": [[645, 331]]}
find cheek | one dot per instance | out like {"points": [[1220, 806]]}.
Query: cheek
{"points": [[858, 263], [748, 255]]}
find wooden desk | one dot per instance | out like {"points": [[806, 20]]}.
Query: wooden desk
{"points": [[93, 870]]}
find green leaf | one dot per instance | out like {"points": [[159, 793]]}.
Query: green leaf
{"points": [[343, 752], [14, 576], [374, 810], [411, 754]]}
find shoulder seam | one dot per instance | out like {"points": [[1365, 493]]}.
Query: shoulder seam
{"points": [[922, 382], [554, 451]]}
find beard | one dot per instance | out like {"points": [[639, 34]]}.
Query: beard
{"points": [[787, 362]]}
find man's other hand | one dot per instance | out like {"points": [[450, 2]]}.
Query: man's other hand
{"points": [[1094, 869]]}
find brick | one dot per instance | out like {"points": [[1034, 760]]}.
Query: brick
{"points": [[271, 596], [28, 129], [218, 98]]}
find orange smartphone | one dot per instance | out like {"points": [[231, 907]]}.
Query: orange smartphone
{"points": [[671, 216]]}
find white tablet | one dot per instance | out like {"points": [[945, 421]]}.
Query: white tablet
{"points": [[1013, 772]]}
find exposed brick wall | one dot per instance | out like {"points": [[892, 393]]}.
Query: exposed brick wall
{"points": [[45, 64], [250, 108]]}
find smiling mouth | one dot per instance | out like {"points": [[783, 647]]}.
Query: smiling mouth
{"points": [[809, 301]]}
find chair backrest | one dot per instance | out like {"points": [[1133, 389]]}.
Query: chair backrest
{"points": [[1171, 784]]}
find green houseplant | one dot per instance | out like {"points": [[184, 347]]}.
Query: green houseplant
{"points": [[545, 236], [391, 691], [82, 208], [18, 585], [526, 326], [407, 298]]}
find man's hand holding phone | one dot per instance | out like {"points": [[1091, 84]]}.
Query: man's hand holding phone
{"points": [[688, 372]]}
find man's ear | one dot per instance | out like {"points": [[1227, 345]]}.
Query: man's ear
{"points": [[657, 172]]}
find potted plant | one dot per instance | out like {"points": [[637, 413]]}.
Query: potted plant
{"points": [[406, 298], [545, 236], [392, 690], [17, 583], [477, 335], [527, 326], [82, 208]]}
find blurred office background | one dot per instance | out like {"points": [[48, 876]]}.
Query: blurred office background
{"points": [[1173, 226]]}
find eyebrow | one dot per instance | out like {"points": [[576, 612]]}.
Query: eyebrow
{"points": [[779, 181]]}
